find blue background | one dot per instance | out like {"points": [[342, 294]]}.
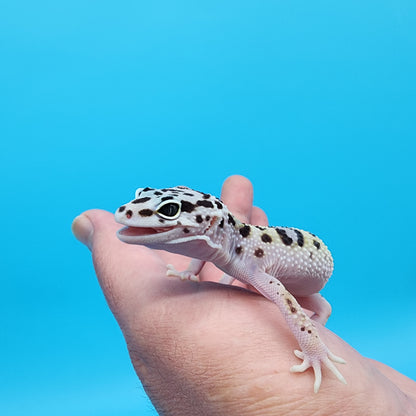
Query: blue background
{"points": [[314, 101]]}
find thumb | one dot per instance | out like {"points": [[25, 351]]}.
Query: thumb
{"points": [[119, 266]]}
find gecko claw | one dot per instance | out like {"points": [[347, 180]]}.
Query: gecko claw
{"points": [[316, 366]]}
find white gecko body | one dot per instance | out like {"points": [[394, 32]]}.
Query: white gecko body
{"points": [[279, 262]]}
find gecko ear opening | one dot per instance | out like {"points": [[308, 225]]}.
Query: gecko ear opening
{"points": [[169, 210]]}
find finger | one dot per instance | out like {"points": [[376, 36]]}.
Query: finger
{"points": [[259, 217], [119, 266], [237, 193]]}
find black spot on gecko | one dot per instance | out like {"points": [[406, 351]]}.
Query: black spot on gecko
{"points": [[122, 208], [146, 212], [161, 220], [221, 224], [140, 200], [245, 230], [129, 213], [259, 252], [309, 331], [284, 237], [266, 238], [188, 194], [301, 240], [259, 227], [231, 220], [147, 189], [238, 249], [317, 244], [302, 328], [187, 206], [165, 198], [218, 204], [206, 196], [207, 218], [199, 219], [204, 203], [290, 303], [186, 230], [157, 193]]}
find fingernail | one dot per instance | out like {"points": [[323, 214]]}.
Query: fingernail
{"points": [[83, 229]]}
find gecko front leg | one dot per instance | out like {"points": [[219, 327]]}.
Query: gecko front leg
{"points": [[313, 352], [191, 273]]}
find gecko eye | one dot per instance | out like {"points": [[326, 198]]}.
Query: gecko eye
{"points": [[169, 210]]}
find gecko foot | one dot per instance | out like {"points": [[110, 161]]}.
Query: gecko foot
{"points": [[185, 275], [315, 363]]}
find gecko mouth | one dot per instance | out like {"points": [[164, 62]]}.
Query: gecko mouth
{"points": [[141, 231]]}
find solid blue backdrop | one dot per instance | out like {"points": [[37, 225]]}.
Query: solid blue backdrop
{"points": [[313, 101]]}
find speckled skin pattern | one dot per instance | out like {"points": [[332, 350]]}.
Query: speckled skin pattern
{"points": [[286, 265]]}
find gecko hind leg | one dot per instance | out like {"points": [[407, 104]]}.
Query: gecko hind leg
{"points": [[314, 352]]}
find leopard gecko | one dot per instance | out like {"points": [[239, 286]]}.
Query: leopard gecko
{"points": [[280, 262]]}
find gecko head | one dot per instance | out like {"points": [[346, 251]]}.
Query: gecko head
{"points": [[167, 216]]}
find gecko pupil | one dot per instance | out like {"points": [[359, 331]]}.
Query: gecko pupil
{"points": [[169, 210]]}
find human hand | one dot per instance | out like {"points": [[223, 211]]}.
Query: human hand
{"points": [[210, 349]]}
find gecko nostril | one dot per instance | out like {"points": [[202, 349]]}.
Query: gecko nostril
{"points": [[129, 214], [122, 208]]}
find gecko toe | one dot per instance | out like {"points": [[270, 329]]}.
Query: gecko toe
{"points": [[186, 275], [299, 354], [329, 364], [318, 376], [335, 358]]}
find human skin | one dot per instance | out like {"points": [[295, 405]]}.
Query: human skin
{"points": [[209, 349]]}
